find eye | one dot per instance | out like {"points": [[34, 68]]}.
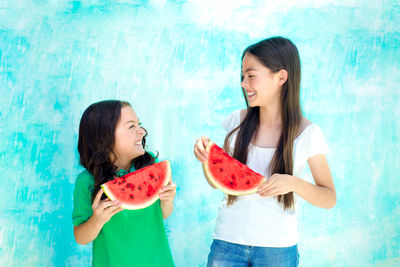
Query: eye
{"points": [[251, 76], [133, 125]]}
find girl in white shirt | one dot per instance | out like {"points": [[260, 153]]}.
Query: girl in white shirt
{"points": [[274, 139]]}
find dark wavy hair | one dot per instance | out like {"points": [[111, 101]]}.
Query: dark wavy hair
{"points": [[275, 53], [97, 138]]}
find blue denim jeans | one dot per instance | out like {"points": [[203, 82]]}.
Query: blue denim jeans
{"points": [[224, 254]]}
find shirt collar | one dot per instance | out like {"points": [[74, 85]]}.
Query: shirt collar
{"points": [[122, 172]]}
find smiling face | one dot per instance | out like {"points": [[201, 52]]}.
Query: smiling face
{"points": [[128, 136], [262, 86]]}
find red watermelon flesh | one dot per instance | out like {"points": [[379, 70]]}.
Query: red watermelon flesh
{"points": [[139, 189], [228, 174]]}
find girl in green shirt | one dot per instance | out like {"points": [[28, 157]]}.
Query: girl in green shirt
{"points": [[111, 143]]}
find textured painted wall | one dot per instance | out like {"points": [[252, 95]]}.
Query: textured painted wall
{"points": [[178, 63]]}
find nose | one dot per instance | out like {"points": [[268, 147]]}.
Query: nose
{"points": [[244, 83], [141, 131]]}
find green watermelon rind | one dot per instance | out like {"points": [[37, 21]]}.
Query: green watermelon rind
{"points": [[126, 206], [222, 187]]}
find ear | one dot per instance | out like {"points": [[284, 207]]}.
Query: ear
{"points": [[283, 76]]}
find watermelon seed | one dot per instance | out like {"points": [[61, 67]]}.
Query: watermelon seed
{"points": [[123, 181], [119, 182], [114, 182], [221, 170], [122, 189], [233, 177], [150, 190], [131, 196], [151, 176], [140, 188], [247, 182]]}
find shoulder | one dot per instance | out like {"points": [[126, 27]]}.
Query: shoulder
{"points": [[84, 185], [85, 179], [304, 124], [243, 114], [234, 119], [311, 138], [309, 131], [308, 128], [238, 114]]}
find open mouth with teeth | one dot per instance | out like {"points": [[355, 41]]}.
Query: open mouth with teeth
{"points": [[139, 143], [250, 94]]}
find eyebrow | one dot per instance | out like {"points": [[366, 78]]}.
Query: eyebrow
{"points": [[249, 69], [131, 121]]}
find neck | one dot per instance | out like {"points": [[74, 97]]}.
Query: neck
{"points": [[271, 115], [125, 165]]}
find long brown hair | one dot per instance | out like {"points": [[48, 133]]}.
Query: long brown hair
{"points": [[275, 53], [97, 138]]}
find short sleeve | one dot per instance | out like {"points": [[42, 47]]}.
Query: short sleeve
{"points": [[83, 198], [232, 121], [316, 142]]}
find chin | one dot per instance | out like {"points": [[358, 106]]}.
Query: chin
{"points": [[252, 105], [139, 153]]}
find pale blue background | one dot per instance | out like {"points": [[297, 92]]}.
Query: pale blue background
{"points": [[178, 63]]}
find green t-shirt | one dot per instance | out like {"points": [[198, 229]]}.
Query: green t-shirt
{"points": [[130, 237]]}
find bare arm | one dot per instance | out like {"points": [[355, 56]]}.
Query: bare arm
{"points": [[322, 194], [102, 212], [201, 154], [87, 232], [167, 196], [166, 208]]}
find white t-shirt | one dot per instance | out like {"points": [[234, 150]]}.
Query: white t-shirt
{"points": [[261, 221]]}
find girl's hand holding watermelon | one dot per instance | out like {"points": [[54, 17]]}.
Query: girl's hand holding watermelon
{"points": [[168, 192], [103, 210], [200, 151], [167, 196], [277, 184], [200, 148]]}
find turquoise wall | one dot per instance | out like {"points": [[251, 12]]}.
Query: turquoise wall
{"points": [[178, 63]]}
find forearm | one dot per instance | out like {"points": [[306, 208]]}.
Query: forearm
{"points": [[316, 195], [87, 231], [166, 208]]}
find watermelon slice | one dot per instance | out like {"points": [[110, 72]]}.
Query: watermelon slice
{"points": [[139, 189], [228, 174]]}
